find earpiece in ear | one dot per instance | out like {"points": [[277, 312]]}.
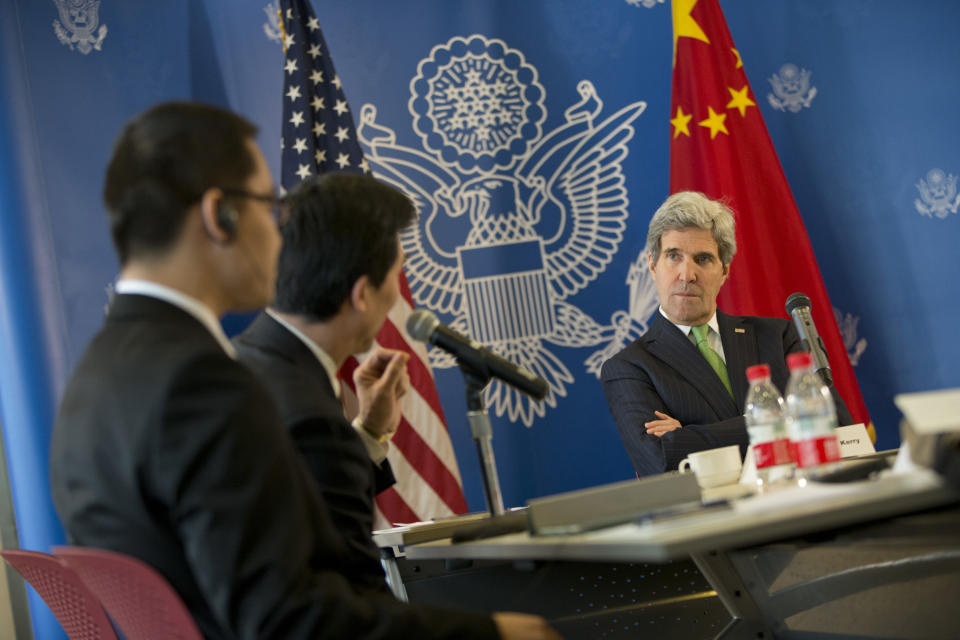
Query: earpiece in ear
{"points": [[227, 219]]}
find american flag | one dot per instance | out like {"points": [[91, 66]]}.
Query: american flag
{"points": [[319, 136]]}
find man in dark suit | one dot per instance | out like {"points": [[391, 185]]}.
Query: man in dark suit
{"points": [[338, 276], [167, 449], [681, 387]]}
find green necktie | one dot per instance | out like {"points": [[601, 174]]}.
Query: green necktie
{"points": [[716, 362]]}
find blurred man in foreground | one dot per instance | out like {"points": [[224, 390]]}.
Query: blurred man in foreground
{"points": [[338, 277], [681, 386], [167, 449]]}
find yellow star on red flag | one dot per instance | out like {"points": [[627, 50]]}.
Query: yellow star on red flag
{"points": [[740, 100], [715, 123], [739, 59], [680, 121], [684, 26]]}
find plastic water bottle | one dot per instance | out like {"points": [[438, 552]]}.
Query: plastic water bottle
{"points": [[769, 440], [811, 416]]}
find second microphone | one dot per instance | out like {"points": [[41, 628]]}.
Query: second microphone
{"points": [[424, 326]]}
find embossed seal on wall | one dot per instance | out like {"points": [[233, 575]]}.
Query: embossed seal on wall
{"points": [[792, 88], [938, 193], [78, 24]]}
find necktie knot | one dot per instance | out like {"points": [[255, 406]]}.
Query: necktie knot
{"points": [[700, 333]]}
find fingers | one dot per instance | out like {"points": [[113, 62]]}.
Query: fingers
{"points": [[403, 385], [374, 364], [395, 373], [521, 626], [658, 425], [380, 382], [665, 424]]}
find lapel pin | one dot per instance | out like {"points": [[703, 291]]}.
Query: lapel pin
{"points": [[739, 330]]}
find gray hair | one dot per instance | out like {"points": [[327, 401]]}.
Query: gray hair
{"points": [[693, 210]]}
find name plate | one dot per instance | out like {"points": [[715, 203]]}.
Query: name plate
{"points": [[854, 441]]}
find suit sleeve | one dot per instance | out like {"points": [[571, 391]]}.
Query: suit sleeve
{"points": [[633, 398], [346, 476], [251, 524], [382, 470], [383, 477]]}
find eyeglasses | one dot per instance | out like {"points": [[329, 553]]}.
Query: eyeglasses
{"points": [[278, 206]]}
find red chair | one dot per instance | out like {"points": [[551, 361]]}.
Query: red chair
{"points": [[140, 600], [74, 605]]}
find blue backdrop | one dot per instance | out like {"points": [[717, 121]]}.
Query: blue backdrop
{"points": [[494, 104]]}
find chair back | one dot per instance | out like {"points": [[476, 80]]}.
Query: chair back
{"points": [[140, 600], [76, 608]]}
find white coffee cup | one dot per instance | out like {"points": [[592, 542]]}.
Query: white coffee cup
{"points": [[714, 467]]}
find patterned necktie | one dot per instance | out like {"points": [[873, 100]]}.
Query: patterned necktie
{"points": [[716, 362]]}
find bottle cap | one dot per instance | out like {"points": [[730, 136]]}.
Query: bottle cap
{"points": [[758, 372], [799, 360]]}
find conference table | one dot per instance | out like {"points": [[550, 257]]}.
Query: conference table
{"points": [[872, 558]]}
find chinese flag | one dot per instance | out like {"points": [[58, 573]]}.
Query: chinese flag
{"points": [[720, 146]]}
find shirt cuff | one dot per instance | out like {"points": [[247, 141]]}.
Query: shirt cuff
{"points": [[376, 448]]}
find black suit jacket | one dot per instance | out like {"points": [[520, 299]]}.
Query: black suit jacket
{"points": [[664, 371], [333, 450], [166, 449]]}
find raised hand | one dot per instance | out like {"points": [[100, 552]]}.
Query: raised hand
{"points": [[381, 380]]}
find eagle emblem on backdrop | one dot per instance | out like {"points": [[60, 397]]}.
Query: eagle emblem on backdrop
{"points": [[271, 28], [513, 220], [938, 193], [791, 89], [847, 323], [78, 21]]}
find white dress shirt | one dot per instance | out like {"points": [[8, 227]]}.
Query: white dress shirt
{"points": [[713, 336]]}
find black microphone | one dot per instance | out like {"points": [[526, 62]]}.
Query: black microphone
{"points": [[798, 307], [424, 326]]}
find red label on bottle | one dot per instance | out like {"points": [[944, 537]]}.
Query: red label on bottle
{"points": [[770, 454], [816, 451], [763, 455], [781, 451]]}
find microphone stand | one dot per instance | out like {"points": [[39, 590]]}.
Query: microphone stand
{"points": [[482, 434]]}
